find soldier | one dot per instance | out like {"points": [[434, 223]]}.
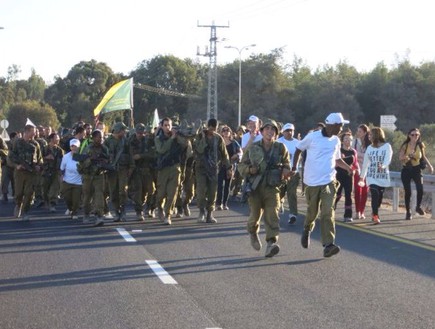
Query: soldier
{"points": [[3, 157], [292, 185], [51, 169], [39, 193], [7, 170], [169, 146], [122, 166], [265, 165], [210, 153], [142, 151], [92, 168], [26, 158]]}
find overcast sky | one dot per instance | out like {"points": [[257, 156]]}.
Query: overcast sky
{"points": [[53, 35]]}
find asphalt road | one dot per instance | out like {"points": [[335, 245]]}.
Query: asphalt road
{"points": [[58, 273]]}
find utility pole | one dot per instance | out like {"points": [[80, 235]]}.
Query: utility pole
{"points": [[212, 108]]}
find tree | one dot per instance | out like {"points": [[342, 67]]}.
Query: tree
{"points": [[38, 112]]}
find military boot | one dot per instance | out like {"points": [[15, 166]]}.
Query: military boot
{"points": [[210, 218], [201, 216]]}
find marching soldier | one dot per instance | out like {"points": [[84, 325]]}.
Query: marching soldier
{"points": [[266, 165], [210, 152], [92, 167], [142, 151], [122, 166], [51, 169], [26, 158]]}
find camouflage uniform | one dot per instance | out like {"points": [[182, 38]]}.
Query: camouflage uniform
{"points": [[264, 197], [141, 185], [182, 204], [39, 192], [51, 176], [118, 178], [169, 150], [3, 168], [26, 153], [210, 152], [92, 170]]}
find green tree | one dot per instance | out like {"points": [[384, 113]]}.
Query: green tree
{"points": [[39, 113]]}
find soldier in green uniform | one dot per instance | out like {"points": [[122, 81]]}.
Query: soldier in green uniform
{"points": [[39, 193], [92, 169], [52, 155], [210, 152], [26, 158], [3, 157], [142, 151], [266, 165], [169, 146], [122, 165]]}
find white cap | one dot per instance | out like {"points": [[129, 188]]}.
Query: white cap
{"points": [[335, 118], [288, 126], [253, 118], [74, 142]]}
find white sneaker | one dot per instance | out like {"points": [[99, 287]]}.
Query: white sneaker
{"points": [[68, 212], [348, 219], [108, 215]]}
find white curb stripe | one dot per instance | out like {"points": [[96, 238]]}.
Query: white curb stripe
{"points": [[160, 272]]}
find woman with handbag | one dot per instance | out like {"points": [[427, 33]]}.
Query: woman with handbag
{"points": [[413, 157]]}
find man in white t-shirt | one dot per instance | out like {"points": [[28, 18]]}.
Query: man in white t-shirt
{"points": [[253, 135], [323, 155], [290, 188]]}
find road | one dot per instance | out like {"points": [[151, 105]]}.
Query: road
{"points": [[58, 273]]}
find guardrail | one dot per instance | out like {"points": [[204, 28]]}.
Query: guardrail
{"points": [[428, 186]]}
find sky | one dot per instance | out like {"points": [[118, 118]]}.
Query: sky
{"points": [[51, 36]]}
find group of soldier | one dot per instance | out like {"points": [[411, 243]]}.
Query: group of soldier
{"points": [[161, 170]]}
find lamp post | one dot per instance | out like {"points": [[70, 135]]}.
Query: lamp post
{"points": [[240, 77]]}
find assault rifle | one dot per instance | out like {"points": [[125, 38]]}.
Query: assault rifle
{"points": [[99, 163]]}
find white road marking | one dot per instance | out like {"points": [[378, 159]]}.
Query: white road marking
{"points": [[136, 231], [127, 237], [160, 272]]}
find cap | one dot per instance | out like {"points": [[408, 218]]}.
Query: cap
{"points": [[270, 122], [119, 126], [253, 118], [140, 127], [335, 118], [74, 142], [288, 126]]}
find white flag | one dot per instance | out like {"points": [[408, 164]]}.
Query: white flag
{"points": [[30, 123], [156, 120]]}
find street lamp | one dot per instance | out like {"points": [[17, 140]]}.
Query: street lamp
{"points": [[240, 77]]}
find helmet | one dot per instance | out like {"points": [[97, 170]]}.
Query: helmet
{"points": [[270, 122]]}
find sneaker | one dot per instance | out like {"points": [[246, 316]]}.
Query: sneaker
{"points": [[186, 210], [99, 221], [17, 211], [408, 216], [75, 217], [363, 216], [179, 214], [219, 207], [376, 220], [151, 213], [420, 211], [167, 221], [272, 249], [226, 207], [331, 250], [305, 240], [201, 217], [139, 216], [348, 219], [255, 241], [291, 219], [108, 215], [67, 212]]}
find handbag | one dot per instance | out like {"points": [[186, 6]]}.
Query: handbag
{"points": [[423, 163]]}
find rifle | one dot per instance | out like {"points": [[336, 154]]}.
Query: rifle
{"points": [[95, 161], [27, 166]]}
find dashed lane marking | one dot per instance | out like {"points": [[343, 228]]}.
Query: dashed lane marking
{"points": [[160, 272], [127, 237]]}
